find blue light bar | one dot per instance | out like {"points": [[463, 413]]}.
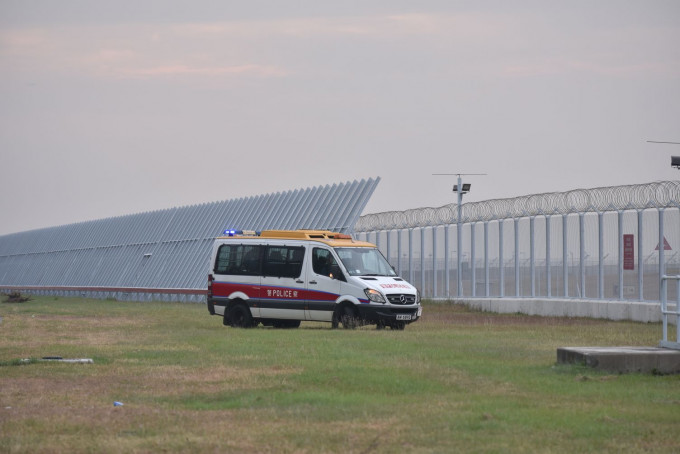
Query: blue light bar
{"points": [[232, 232]]}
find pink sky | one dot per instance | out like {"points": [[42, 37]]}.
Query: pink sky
{"points": [[112, 109]]}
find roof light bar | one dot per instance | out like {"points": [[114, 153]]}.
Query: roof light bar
{"points": [[233, 232]]}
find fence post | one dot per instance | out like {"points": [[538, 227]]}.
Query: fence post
{"points": [[565, 257], [447, 267], [517, 283], [410, 256], [486, 258], [620, 264], [399, 253], [581, 255], [434, 261], [641, 263], [600, 278], [422, 259], [501, 260], [387, 232], [662, 258], [459, 254], [472, 266], [548, 270], [532, 257]]}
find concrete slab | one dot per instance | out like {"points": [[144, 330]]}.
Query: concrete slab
{"points": [[623, 359]]}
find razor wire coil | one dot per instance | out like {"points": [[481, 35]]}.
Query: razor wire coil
{"points": [[661, 194]]}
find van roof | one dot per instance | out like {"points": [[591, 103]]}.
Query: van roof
{"points": [[333, 239]]}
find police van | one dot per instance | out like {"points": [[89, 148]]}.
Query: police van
{"points": [[280, 278]]}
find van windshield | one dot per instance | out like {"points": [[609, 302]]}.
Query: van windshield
{"points": [[364, 261]]}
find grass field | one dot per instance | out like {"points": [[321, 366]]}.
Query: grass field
{"points": [[455, 381]]}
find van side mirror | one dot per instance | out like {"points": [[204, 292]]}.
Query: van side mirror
{"points": [[336, 273]]}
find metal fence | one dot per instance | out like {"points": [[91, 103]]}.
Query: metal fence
{"points": [[163, 254], [603, 243], [611, 243]]}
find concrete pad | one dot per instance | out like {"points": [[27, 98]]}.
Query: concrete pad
{"points": [[623, 359]]}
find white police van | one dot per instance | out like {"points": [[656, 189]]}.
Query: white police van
{"points": [[280, 278]]}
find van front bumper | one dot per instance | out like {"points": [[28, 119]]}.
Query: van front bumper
{"points": [[387, 314]]}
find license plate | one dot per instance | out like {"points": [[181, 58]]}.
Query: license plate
{"points": [[403, 316]]}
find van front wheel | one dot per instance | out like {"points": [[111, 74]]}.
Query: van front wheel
{"points": [[398, 326], [240, 316], [348, 317]]}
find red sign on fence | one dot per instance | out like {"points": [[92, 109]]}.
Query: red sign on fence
{"points": [[629, 252]]}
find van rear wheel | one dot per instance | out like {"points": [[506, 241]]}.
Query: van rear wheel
{"points": [[240, 316]]}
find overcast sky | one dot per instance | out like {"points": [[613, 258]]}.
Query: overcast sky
{"points": [[118, 107]]}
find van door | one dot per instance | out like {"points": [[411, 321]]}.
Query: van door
{"points": [[283, 283], [323, 286], [236, 274]]}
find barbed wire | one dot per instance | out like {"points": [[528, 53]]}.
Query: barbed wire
{"points": [[660, 194]]}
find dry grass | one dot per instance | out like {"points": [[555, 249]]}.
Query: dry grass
{"points": [[40, 330], [455, 381]]}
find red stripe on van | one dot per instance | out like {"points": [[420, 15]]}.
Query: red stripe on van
{"points": [[227, 288]]}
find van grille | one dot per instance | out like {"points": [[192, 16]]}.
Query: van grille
{"points": [[401, 298]]}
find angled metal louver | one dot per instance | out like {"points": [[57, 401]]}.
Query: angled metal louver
{"points": [[166, 249]]}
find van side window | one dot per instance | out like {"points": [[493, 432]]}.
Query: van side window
{"points": [[283, 261], [322, 260], [238, 259]]}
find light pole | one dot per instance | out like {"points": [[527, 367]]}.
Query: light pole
{"points": [[460, 189]]}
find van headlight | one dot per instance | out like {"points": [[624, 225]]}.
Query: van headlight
{"points": [[374, 295], [417, 297]]}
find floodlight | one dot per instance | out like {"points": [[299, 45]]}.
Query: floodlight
{"points": [[675, 162], [464, 189]]}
